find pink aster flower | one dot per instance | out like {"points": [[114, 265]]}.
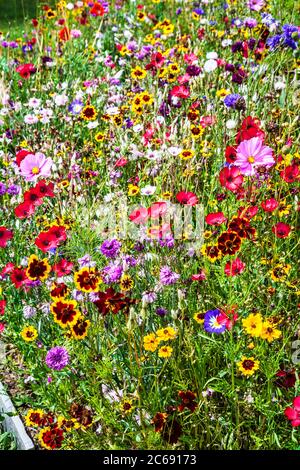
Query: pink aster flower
{"points": [[36, 165], [253, 153]]}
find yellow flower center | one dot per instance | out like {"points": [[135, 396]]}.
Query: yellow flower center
{"points": [[251, 160], [35, 170]]}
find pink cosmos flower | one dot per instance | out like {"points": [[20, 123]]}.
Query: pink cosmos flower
{"points": [[34, 166], [256, 5], [253, 153]]}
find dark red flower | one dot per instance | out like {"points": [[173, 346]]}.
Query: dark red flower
{"points": [[242, 227], [82, 414], [187, 401], [247, 212], [229, 243], [286, 378], [157, 61], [5, 235], [281, 230], [24, 210], [111, 301], [159, 420], [231, 178], [53, 438]]}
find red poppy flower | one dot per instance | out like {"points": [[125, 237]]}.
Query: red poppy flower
{"points": [[187, 198], [63, 268], [24, 210], [45, 241], [44, 189], [231, 178], [18, 277], [20, 155], [249, 128], [139, 216], [269, 205], [158, 209], [33, 197], [2, 306], [59, 232], [247, 212], [25, 70], [235, 267], [215, 218], [290, 174], [281, 230], [293, 414], [5, 235], [230, 154], [97, 10]]}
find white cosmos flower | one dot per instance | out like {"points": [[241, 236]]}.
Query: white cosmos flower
{"points": [[212, 55], [210, 65], [148, 190]]}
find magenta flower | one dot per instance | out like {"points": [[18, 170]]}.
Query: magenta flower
{"points": [[256, 5], [251, 154], [34, 166]]}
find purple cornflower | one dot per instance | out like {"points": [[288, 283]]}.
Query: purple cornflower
{"points": [[160, 311], [2, 189], [213, 323], [75, 107], [167, 276], [233, 100], [110, 248], [13, 189], [250, 22], [57, 358]]}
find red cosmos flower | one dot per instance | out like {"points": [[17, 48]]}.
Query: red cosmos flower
{"points": [[20, 155], [281, 230], [269, 205], [44, 189], [24, 210], [215, 218], [139, 216], [293, 413], [2, 306], [33, 197], [290, 174], [180, 91], [45, 241], [5, 235], [231, 178], [97, 9], [158, 209], [64, 34], [230, 154], [25, 70], [63, 268], [18, 277], [232, 268], [187, 401], [187, 198]]}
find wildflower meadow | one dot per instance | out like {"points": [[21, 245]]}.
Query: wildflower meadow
{"points": [[149, 244]]}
